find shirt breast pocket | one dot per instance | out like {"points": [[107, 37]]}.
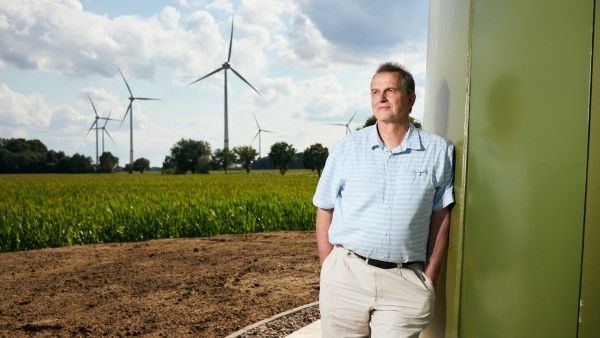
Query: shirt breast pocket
{"points": [[416, 187]]}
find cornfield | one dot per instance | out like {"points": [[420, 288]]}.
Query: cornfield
{"points": [[41, 211]]}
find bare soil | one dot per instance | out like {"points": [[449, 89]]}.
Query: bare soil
{"points": [[200, 287]]}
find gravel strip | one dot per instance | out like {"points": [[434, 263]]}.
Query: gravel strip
{"points": [[281, 326]]}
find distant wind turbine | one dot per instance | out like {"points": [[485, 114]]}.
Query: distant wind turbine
{"points": [[347, 125], [226, 66], [104, 131], [130, 112], [95, 126], [260, 130]]}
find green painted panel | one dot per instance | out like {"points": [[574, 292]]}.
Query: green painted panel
{"points": [[445, 102], [589, 326], [524, 214]]}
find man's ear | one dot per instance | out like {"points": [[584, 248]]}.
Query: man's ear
{"points": [[412, 99]]}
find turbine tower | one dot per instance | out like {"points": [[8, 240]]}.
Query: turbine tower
{"points": [[104, 131], [95, 126], [226, 66], [347, 125], [258, 134], [130, 112]]}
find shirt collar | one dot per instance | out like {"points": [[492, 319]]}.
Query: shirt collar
{"points": [[412, 140]]}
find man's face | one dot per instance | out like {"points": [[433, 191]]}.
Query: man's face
{"points": [[388, 99]]}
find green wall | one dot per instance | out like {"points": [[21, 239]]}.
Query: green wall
{"points": [[589, 326], [509, 83]]}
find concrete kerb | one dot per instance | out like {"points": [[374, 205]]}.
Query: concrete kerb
{"points": [[262, 322]]}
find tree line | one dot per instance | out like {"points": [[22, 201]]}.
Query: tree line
{"points": [[191, 156], [187, 156]]}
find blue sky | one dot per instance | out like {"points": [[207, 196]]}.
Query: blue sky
{"points": [[312, 61]]}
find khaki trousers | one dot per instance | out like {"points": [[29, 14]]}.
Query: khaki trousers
{"points": [[360, 300]]}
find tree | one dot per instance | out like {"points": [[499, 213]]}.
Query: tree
{"points": [[108, 162], [246, 155], [23, 156], [371, 121], [223, 158], [315, 157], [167, 167], [281, 155], [141, 164], [19, 145], [53, 159], [80, 164], [190, 155]]}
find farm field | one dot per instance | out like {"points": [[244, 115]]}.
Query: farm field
{"points": [[205, 285], [45, 210]]}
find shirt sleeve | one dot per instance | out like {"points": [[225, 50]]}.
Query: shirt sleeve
{"points": [[329, 183], [444, 192]]}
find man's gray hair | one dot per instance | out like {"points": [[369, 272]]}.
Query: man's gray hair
{"points": [[408, 82]]}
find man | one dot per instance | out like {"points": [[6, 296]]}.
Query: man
{"points": [[383, 212]]}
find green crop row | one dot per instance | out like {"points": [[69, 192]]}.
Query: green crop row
{"points": [[41, 211]]}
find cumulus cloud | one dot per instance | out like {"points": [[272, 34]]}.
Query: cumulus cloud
{"points": [[361, 26], [360, 33], [60, 36], [18, 110], [30, 117]]}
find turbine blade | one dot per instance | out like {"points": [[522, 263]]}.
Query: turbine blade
{"points": [[107, 133], [92, 127], [337, 124], [248, 83], [268, 131], [255, 120], [108, 119], [129, 89], [95, 112], [207, 75], [145, 98], [255, 136], [230, 40], [353, 116], [126, 112]]}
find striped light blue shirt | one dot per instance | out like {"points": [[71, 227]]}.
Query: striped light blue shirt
{"points": [[383, 199]]}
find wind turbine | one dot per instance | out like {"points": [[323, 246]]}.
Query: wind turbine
{"points": [[130, 112], [260, 130], [347, 125], [106, 131], [95, 124], [226, 66]]}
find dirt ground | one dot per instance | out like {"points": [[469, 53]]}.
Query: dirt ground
{"points": [[200, 287]]}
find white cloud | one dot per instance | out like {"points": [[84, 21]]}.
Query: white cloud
{"points": [[169, 17], [18, 110]]}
